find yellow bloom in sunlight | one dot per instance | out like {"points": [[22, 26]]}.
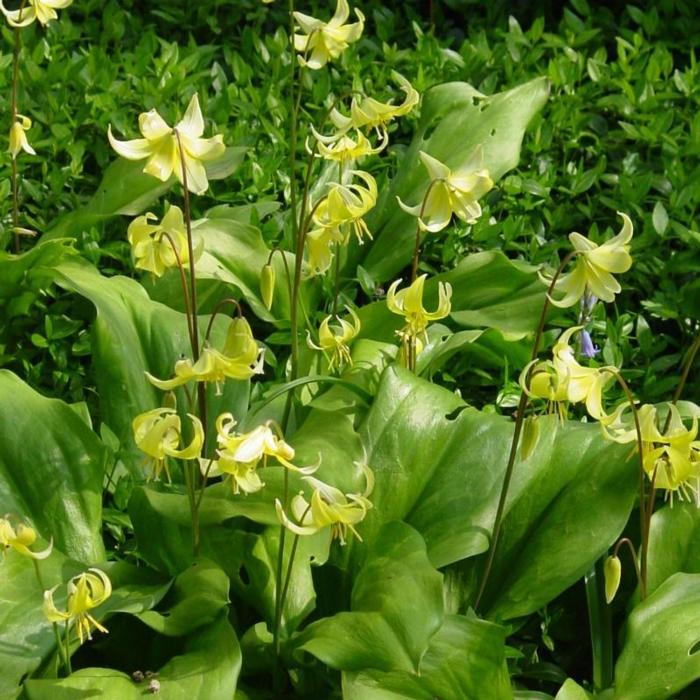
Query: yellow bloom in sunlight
{"points": [[20, 539], [161, 147], [671, 457], [324, 41], [320, 243], [450, 193], [335, 339], [368, 113], [345, 205], [239, 359], [329, 507], [343, 149], [158, 433], [240, 454], [151, 248], [540, 379], [594, 267], [85, 592], [42, 10], [18, 136], [409, 304]]}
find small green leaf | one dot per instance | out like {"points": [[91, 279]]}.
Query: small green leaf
{"points": [[660, 218]]}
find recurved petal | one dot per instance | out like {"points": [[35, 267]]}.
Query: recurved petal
{"points": [[192, 123], [573, 284], [436, 169], [19, 18], [153, 126], [204, 149], [413, 211], [52, 613], [342, 12], [136, 149]]}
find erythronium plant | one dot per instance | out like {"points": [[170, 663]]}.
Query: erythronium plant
{"points": [[269, 489]]}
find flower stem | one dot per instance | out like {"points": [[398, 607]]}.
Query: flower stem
{"points": [[600, 627], [416, 247], [185, 291], [519, 418], [13, 107], [66, 648]]}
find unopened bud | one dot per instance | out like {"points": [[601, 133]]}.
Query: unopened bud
{"points": [[531, 436], [267, 285], [612, 571]]}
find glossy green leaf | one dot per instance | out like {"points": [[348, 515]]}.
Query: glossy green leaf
{"points": [[396, 608], [465, 659], [571, 690], [661, 654], [674, 543], [51, 469], [208, 668], [125, 189], [455, 120], [439, 466]]}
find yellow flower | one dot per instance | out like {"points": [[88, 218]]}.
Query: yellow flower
{"points": [[85, 592], [409, 304], [323, 41], [594, 267], [450, 193], [20, 539], [369, 113], [319, 245], [240, 454], [158, 433], [544, 382], [671, 457], [18, 136], [334, 340], [160, 145], [329, 507], [347, 204], [150, 246], [239, 359], [343, 149], [43, 10]]}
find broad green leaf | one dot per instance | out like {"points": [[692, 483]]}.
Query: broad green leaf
{"points": [[662, 642], [20, 275], [439, 465], [197, 596], [455, 121], [674, 543], [51, 469], [465, 659], [125, 189], [396, 607], [571, 690], [208, 668], [131, 335]]}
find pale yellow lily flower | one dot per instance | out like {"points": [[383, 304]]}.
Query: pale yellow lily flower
{"points": [[540, 379], [450, 193], [150, 246], [239, 359], [160, 146], [85, 592], [409, 304], [240, 454], [346, 205], [42, 10], [334, 339], [320, 243], [18, 136], [324, 41], [342, 148], [671, 457], [594, 267], [329, 507], [368, 113], [158, 433], [20, 539]]}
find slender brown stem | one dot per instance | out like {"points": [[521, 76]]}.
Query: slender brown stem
{"points": [[183, 283], [201, 388], [519, 418], [217, 310], [643, 519], [416, 247], [15, 172]]}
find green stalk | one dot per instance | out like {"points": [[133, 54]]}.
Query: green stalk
{"points": [[600, 627], [13, 107]]}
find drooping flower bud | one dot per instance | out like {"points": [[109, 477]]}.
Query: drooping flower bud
{"points": [[267, 285], [612, 571]]}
